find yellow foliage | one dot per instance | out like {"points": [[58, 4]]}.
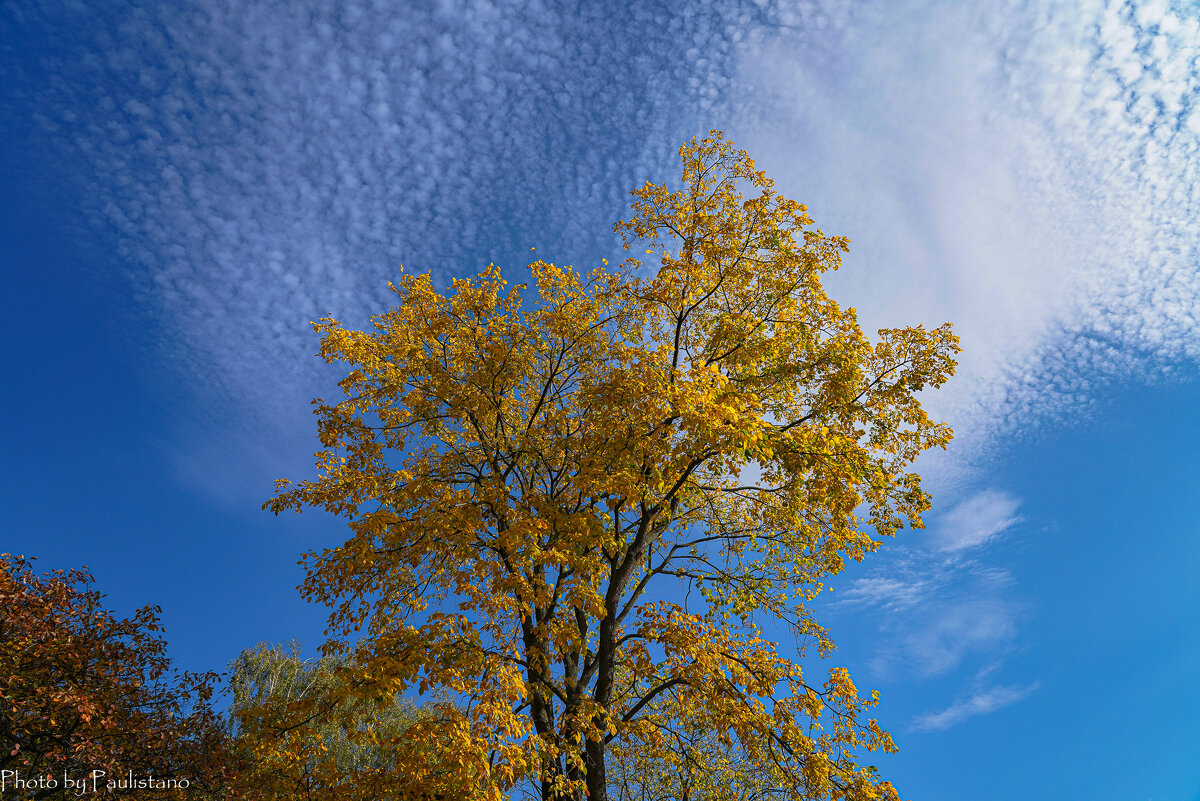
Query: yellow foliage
{"points": [[525, 487]]}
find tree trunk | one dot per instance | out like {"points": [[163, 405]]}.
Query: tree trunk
{"points": [[597, 779]]}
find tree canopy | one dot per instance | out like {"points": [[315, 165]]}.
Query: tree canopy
{"points": [[577, 518], [91, 697]]}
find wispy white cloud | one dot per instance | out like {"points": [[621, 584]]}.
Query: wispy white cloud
{"points": [[978, 703], [940, 611], [884, 592], [941, 635], [933, 612], [976, 520], [1030, 172]]}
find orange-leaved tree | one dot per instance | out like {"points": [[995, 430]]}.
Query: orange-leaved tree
{"points": [[89, 697], [577, 517]]}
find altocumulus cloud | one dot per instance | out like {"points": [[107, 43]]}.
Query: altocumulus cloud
{"points": [[1029, 171], [263, 165]]}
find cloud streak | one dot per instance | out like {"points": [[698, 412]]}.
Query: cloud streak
{"points": [[978, 703], [976, 520], [934, 612]]}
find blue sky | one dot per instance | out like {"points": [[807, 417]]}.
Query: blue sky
{"points": [[184, 186]]}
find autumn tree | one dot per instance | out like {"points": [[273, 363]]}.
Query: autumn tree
{"points": [[82, 690], [577, 517], [301, 732]]}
